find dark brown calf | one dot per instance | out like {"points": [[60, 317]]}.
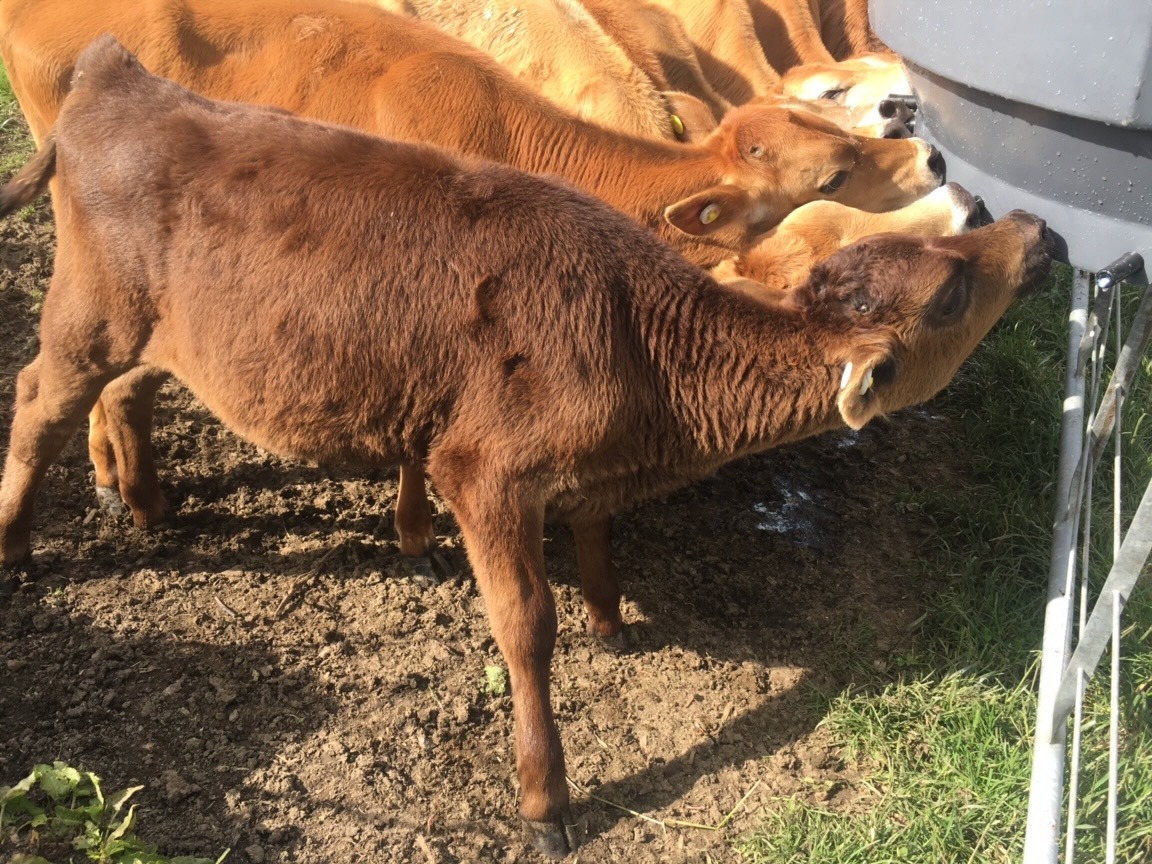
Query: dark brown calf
{"points": [[343, 298]]}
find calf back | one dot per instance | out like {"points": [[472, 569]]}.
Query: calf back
{"points": [[338, 297]]}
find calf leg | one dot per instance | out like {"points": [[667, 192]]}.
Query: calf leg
{"points": [[598, 580], [52, 397], [505, 541], [103, 460], [413, 518], [128, 404]]}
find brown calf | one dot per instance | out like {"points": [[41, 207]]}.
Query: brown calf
{"points": [[560, 49], [342, 298], [724, 36], [861, 84], [789, 33], [657, 42], [845, 28]]}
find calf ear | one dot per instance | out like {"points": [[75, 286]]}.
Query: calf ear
{"points": [[868, 370], [708, 211], [692, 120]]}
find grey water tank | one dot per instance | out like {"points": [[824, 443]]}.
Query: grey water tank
{"points": [[1043, 106]]}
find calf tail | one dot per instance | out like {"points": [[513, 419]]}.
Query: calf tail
{"points": [[31, 180]]}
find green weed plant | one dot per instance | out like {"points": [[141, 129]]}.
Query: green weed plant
{"points": [[63, 805]]}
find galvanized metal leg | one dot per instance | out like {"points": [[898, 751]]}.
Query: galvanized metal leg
{"points": [[1045, 799], [1064, 673]]}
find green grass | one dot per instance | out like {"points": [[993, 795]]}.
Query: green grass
{"points": [[16, 145], [945, 748], [6, 97], [17, 149]]}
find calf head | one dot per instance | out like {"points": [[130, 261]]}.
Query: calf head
{"points": [[851, 118], [901, 313], [862, 86], [777, 159], [783, 259]]}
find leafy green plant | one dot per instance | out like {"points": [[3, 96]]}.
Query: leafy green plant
{"points": [[495, 681], [63, 805]]}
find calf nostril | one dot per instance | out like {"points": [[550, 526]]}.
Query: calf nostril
{"points": [[886, 108], [936, 162]]}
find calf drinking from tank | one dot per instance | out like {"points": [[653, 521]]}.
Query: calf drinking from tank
{"points": [[342, 298]]}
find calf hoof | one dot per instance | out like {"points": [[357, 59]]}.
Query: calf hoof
{"points": [[426, 571], [620, 642], [147, 518], [9, 582], [108, 500], [553, 839], [14, 576]]}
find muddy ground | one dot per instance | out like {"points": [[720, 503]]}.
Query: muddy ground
{"points": [[284, 685]]}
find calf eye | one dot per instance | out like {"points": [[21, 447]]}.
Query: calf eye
{"points": [[833, 94], [949, 304], [838, 180], [756, 150]]}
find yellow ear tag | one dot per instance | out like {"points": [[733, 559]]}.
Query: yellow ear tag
{"points": [[677, 126], [866, 384], [710, 214]]}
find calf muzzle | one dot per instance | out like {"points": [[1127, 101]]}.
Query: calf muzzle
{"points": [[1039, 247]]}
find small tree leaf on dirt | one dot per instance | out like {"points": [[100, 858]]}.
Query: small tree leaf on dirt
{"points": [[495, 681]]}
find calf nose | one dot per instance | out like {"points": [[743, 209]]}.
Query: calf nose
{"points": [[967, 208], [1040, 245], [985, 218], [896, 129], [936, 162]]}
